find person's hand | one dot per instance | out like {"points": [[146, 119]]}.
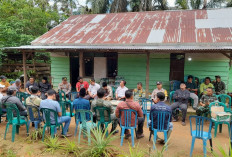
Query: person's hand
{"points": [[62, 94], [119, 98], [203, 105]]}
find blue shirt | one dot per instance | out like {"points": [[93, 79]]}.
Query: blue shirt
{"points": [[81, 103], [51, 104], [160, 106]]}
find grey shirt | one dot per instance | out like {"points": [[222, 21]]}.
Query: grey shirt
{"points": [[13, 100]]}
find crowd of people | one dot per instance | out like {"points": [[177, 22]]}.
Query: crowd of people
{"points": [[94, 95]]}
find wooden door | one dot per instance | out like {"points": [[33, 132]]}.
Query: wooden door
{"points": [[177, 66]]}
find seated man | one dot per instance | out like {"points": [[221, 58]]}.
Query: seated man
{"points": [[138, 92], [50, 103], [181, 96], [131, 104], [100, 102], [219, 85], [5, 83], [34, 100], [161, 106], [81, 84], [12, 99], [120, 92], [93, 88], [30, 84], [17, 85], [190, 85], [205, 85], [205, 101], [66, 87], [108, 91], [44, 86], [1, 89], [157, 90]]}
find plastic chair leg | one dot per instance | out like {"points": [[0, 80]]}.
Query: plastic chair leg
{"points": [[192, 146], [27, 127], [215, 129], [150, 135], [122, 135], [106, 127], [148, 115], [132, 137], [79, 137], [89, 138], [17, 129], [14, 129], [7, 126], [52, 131], [166, 139], [220, 128], [204, 147], [211, 144], [44, 128], [76, 128], [155, 136]]}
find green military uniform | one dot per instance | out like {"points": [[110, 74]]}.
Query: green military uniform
{"points": [[220, 87], [138, 94], [205, 99]]}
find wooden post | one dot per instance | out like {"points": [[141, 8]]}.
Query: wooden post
{"points": [[24, 69], [147, 74], [81, 64]]}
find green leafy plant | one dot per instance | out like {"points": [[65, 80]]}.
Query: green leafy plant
{"points": [[134, 152], [70, 147], [35, 135], [52, 144], [223, 151], [100, 146]]}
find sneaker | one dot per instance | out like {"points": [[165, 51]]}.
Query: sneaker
{"points": [[175, 120], [140, 136], [183, 123]]}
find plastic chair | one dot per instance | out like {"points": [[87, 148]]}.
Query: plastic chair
{"points": [[222, 98], [127, 123], [61, 97], [144, 103], [66, 105], [162, 117], [200, 132], [119, 78], [174, 85], [36, 120], [16, 122], [171, 97], [47, 114], [24, 96], [219, 122], [101, 110], [85, 124], [73, 94], [104, 80]]}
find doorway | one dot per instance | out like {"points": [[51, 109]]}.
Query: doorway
{"points": [[74, 70], [177, 61]]}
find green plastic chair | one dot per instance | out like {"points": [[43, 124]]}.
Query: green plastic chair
{"points": [[1, 113], [217, 122], [16, 122], [85, 125], [171, 97], [25, 96], [64, 105], [61, 97], [222, 98], [101, 110], [47, 114]]}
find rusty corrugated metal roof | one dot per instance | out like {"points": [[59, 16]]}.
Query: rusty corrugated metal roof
{"points": [[157, 27]]}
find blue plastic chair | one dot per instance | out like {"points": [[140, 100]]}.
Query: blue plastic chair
{"points": [[200, 132], [174, 85], [36, 120], [222, 98], [85, 124], [219, 122], [162, 117], [127, 123], [144, 103]]}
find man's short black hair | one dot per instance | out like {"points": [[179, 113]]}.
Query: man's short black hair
{"points": [[140, 83], [51, 92], [128, 94], [79, 78], [45, 78], [161, 96], [101, 92], [92, 80], [32, 77], [124, 82], [104, 84], [210, 88], [34, 89], [208, 79], [82, 92], [190, 76], [64, 78]]}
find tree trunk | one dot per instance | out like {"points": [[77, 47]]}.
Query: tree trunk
{"points": [[205, 4], [118, 6]]}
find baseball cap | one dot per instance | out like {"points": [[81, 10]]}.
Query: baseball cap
{"points": [[12, 88], [64, 78], [3, 77], [158, 82], [2, 86], [218, 76]]}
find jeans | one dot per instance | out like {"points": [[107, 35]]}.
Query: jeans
{"points": [[66, 120], [140, 125], [183, 108], [195, 100]]}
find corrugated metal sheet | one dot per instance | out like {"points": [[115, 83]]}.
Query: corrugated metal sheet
{"points": [[157, 27]]}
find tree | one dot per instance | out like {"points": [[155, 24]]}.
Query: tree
{"points": [[119, 6], [67, 6], [160, 5], [182, 4], [99, 6]]}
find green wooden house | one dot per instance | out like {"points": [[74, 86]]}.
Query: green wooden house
{"points": [[141, 46]]}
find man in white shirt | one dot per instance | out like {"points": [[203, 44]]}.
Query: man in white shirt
{"points": [[1, 89], [120, 92], [93, 88]]}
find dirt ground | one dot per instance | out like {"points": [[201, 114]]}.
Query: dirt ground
{"points": [[179, 144]]}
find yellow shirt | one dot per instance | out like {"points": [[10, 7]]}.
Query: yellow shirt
{"points": [[6, 84]]}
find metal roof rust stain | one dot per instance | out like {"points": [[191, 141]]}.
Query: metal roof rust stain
{"points": [[192, 26]]}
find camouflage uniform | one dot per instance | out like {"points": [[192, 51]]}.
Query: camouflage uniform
{"points": [[205, 99], [138, 94], [219, 87]]}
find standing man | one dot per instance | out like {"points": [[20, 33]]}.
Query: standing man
{"points": [[50, 103], [93, 88], [131, 104], [44, 86], [219, 85], [157, 90], [108, 91], [138, 92], [181, 96], [205, 85], [190, 85], [65, 86], [81, 84], [30, 84], [205, 101], [5, 83], [120, 92]]}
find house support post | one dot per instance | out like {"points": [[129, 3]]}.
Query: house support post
{"points": [[24, 69], [147, 74], [81, 68]]}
